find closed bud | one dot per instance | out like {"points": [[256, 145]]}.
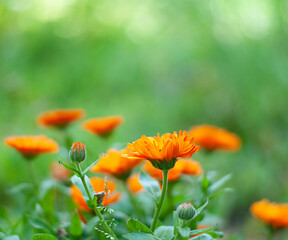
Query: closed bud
{"points": [[77, 152], [186, 211]]}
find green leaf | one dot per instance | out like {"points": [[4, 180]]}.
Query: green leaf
{"points": [[134, 225], [13, 237], [151, 186], [215, 186], [184, 231], [164, 232], [216, 234], [140, 236], [205, 183], [198, 211], [71, 168], [78, 183], [90, 166], [199, 231], [40, 224], [221, 192], [176, 222], [203, 237], [43, 236], [75, 226]]}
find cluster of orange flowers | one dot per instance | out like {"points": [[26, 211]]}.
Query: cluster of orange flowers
{"points": [[171, 151], [275, 214]]}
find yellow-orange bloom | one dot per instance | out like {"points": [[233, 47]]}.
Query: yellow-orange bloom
{"points": [[98, 185], [102, 126], [114, 163], [182, 166], [134, 184], [59, 172], [275, 214], [163, 151], [31, 146], [60, 117], [214, 138]]}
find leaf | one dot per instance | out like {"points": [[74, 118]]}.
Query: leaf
{"points": [[221, 192], [43, 236], [140, 236], [151, 186], [75, 226], [216, 234], [134, 225], [78, 183], [90, 166], [215, 186], [40, 224], [71, 168], [13, 237], [164, 232], [203, 237], [199, 231], [184, 232], [176, 222]]}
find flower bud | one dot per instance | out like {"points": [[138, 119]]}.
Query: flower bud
{"points": [[186, 211], [77, 152]]}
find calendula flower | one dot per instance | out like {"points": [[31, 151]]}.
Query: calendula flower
{"points": [[60, 117], [114, 163], [98, 185], [163, 151], [59, 172], [274, 214], [182, 166], [102, 126], [214, 138], [134, 184], [31, 146], [77, 152]]}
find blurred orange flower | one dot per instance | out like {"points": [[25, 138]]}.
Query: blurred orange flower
{"points": [[275, 214], [134, 184], [214, 138], [163, 151], [98, 185], [182, 166], [102, 126], [31, 146], [114, 163], [59, 172], [60, 117]]}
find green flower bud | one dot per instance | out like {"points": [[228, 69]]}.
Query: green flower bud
{"points": [[186, 211], [77, 152]]}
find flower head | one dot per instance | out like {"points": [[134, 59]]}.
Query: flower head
{"points": [[163, 151], [114, 163], [102, 126], [134, 184], [59, 172], [77, 152], [214, 138], [98, 185], [182, 166], [275, 214], [60, 117], [31, 146], [186, 211]]}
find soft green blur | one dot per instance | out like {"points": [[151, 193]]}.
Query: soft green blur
{"points": [[164, 65]]}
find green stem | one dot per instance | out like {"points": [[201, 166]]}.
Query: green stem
{"points": [[95, 209], [271, 233], [159, 205], [32, 173]]}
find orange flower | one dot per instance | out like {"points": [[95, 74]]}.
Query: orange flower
{"points": [[213, 138], [59, 118], [182, 166], [98, 185], [275, 214], [114, 163], [59, 172], [134, 184], [102, 126], [31, 146], [163, 151]]}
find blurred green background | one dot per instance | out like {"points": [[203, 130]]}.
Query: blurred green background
{"points": [[164, 65]]}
